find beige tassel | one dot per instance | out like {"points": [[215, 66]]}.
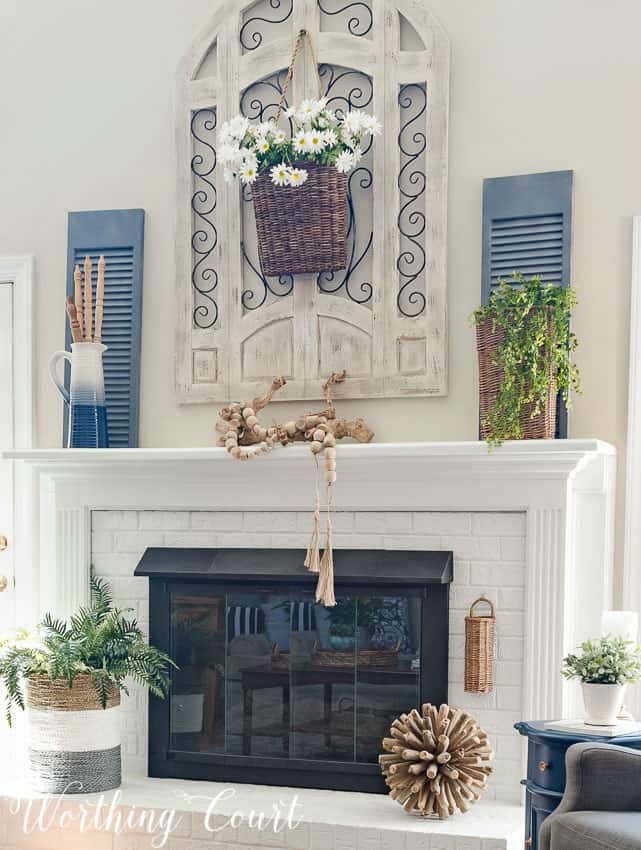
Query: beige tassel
{"points": [[325, 586], [312, 559]]}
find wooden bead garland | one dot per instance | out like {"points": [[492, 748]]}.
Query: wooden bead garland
{"points": [[436, 761], [244, 438]]}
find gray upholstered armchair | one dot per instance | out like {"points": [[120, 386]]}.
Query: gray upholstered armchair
{"points": [[601, 806]]}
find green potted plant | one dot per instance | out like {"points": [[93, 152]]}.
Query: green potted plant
{"points": [[525, 348], [342, 624], [604, 667], [70, 676], [343, 628]]}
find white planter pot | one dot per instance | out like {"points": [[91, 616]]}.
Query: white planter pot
{"points": [[73, 743], [602, 703]]}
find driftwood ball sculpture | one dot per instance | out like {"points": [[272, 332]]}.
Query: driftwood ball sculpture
{"points": [[437, 761]]}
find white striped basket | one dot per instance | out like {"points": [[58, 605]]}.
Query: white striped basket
{"points": [[73, 743]]}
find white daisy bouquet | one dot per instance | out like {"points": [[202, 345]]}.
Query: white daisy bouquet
{"points": [[318, 135]]}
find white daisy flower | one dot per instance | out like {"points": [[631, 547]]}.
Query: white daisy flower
{"points": [[249, 157], [248, 173], [280, 174], [262, 145], [297, 176], [223, 136], [357, 154], [330, 138], [265, 128], [238, 126], [280, 137], [290, 112], [352, 122], [314, 141], [371, 125], [299, 142], [345, 162], [348, 139], [228, 154], [309, 109]]}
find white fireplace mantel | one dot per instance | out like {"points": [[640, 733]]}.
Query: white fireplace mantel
{"points": [[565, 488]]}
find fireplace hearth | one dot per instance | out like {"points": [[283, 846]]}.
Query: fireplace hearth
{"points": [[275, 689]]}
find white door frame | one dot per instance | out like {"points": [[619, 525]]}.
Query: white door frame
{"points": [[19, 271], [632, 534]]}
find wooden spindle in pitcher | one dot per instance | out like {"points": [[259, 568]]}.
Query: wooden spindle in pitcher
{"points": [[88, 300], [77, 290], [74, 324], [100, 297]]}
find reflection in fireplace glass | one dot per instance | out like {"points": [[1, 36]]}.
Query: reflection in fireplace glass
{"points": [[271, 673]]}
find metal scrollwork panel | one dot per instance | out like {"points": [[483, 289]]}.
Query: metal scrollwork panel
{"points": [[347, 89], [204, 233], [356, 17], [263, 19], [412, 181], [259, 102]]}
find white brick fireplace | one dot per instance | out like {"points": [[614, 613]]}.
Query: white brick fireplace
{"points": [[530, 525], [489, 552]]}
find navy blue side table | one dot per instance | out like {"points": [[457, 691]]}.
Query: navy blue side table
{"points": [[545, 781]]}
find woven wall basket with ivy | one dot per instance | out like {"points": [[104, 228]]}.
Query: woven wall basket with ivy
{"points": [[524, 345], [298, 181]]}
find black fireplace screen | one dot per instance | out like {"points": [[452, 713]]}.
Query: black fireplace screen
{"points": [[274, 688]]}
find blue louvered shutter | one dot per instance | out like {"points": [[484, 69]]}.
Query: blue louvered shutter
{"points": [[527, 228], [119, 236]]}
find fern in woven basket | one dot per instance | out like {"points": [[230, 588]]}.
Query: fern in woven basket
{"points": [[98, 640], [534, 353]]}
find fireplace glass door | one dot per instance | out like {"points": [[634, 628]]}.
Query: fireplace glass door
{"points": [[268, 673], [275, 689]]}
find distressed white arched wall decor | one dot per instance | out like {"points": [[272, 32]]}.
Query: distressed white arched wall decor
{"points": [[384, 318]]}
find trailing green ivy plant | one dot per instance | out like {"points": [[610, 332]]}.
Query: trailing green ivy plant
{"points": [[536, 350], [605, 661], [98, 640]]}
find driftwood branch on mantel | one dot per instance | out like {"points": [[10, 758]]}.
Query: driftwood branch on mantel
{"points": [[241, 429], [244, 437]]}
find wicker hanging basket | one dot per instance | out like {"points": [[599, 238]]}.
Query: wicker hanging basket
{"points": [[542, 426], [479, 649], [73, 743], [302, 230]]}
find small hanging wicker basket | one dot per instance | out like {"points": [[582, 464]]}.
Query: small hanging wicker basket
{"points": [[302, 230], [542, 426], [479, 649]]}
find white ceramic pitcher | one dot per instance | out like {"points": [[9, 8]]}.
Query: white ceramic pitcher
{"points": [[86, 396]]}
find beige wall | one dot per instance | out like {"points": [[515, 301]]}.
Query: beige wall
{"points": [[86, 123]]}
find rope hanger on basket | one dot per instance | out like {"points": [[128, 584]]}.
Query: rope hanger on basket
{"points": [[303, 36]]}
